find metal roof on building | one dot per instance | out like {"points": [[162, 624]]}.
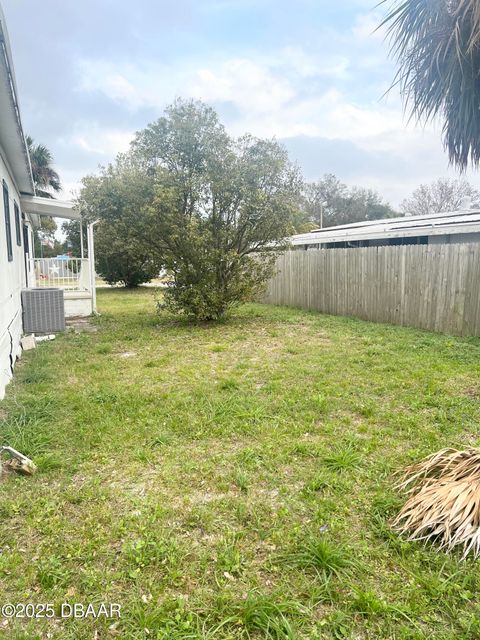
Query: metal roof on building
{"points": [[454, 222]]}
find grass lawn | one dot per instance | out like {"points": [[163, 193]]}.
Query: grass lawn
{"points": [[233, 480]]}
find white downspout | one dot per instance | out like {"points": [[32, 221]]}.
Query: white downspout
{"points": [[91, 261]]}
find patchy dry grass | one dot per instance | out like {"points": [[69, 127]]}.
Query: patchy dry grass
{"points": [[233, 481]]}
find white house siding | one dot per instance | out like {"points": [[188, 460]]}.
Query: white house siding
{"points": [[12, 281]]}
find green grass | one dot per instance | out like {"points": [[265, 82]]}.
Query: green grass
{"points": [[233, 481]]}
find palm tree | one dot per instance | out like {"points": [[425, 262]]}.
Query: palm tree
{"points": [[45, 178], [437, 46]]}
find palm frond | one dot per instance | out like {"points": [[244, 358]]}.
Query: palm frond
{"points": [[46, 179], [437, 46], [444, 500], [472, 8]]}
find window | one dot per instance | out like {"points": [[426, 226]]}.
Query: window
{"points": [[18, 230], [26, 246], [8, 228]]}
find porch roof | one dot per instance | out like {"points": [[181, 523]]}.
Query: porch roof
{"points": [[37, 206]]}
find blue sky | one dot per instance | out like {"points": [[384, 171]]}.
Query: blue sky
{"points": [[310, 73]]}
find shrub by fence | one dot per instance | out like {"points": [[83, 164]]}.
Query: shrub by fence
{"points": [[435, 287]]}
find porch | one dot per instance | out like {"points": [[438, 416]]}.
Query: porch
{"points": [[70, 274], [74, 275]]}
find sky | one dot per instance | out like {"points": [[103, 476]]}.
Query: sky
{"points": [[313, 74]]}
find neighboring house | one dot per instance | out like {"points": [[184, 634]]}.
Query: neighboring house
{"points": [[441, 228], [20, 209]]}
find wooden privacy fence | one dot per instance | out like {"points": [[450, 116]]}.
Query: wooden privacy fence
{"points": [[435, 287]]}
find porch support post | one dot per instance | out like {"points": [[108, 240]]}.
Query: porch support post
{"points": [[82, 255], [91, 262]]}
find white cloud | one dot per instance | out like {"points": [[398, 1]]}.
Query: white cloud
{"points": [[293, 91], [121, 89], [96, 145], [271, 96], [245, 83], [366, 27], [100, 141], [294, 59], [126, 85]]}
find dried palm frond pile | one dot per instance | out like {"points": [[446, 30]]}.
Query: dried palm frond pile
{"points": [[444, 500]]}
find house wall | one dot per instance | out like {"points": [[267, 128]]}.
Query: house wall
{"points": [[12, 281], [454, 238]]}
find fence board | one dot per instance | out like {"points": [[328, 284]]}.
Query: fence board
{"points": [[434, 287]]}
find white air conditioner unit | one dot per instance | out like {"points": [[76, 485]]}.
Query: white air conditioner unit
{"points": [[43, 310]]}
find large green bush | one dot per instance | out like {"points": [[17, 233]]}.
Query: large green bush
{"points": [[222, 208]]}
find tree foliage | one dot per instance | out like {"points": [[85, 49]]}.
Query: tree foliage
{"points": [[438, 197], [46, 182], [341, 204], [45, 178], [437, 46], [119, 198], [222, 207], [72, 244]]}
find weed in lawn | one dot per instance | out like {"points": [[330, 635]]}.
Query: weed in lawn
{"points": [[319, 483], [143, 620], [382, 530], [229, 558], [147, 551], [265, 615], [103, 349], [292, 351], [76, 496], [342, 458], [48, 462], [319, 554], [160, 440], [446, 585], [368, 603], [308, 450], [52, 572], [338, 624], [172, 621], [241, 480], [251, 458], [218, 348], [199, 517], [7, 510], [322, 405], [105, 397], [366, 409], [228, 385], [385, 505]]}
